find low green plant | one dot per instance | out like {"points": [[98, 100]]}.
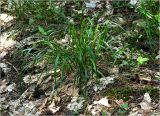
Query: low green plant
{"points": [[120, 4], [146, 38], [142, 60], [123, 109], [44, 31], [80, 54], [149, 10]]}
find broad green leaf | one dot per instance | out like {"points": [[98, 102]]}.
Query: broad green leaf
{"points": [[41, 30], [142, 60], [122, 112], [124, 106]]}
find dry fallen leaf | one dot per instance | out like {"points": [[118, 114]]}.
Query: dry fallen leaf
{"points": [[3, 53], [133, 2], [64, 41], [92, 4], [104, 82], [11, 87], [4, 67], [96, 108], [145, 106], [147, 97], [5, 17], [43, 104], [119, 102], [54, 109], [38, 77], [96, 111], [30, 79], [3, 86], [76, 104], [52, 104], [70, 90], [146, 103], [103, 101], [145, 77], [121, 21]]}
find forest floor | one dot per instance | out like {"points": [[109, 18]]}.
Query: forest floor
{"points": [[122, 90]]}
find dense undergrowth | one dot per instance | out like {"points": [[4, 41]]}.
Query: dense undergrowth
{"points": [[86, 42], [74, 42]]}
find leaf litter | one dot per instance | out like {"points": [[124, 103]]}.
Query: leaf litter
{"points": [[28, 104]]}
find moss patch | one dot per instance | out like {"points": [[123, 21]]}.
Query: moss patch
{"points": [[125, 92]]}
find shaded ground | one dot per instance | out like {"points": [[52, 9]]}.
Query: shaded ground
{"points": [[22, 93]]}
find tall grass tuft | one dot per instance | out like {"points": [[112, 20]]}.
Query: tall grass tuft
{"points": [[79, 56]]}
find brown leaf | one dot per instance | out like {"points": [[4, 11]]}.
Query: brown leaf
{"points": [[54, 109], [43, 104], [71, 90], [119, 102]]}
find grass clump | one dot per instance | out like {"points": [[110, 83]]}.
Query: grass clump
{"points": [[87, 43], [35, 13], [79, 55]]}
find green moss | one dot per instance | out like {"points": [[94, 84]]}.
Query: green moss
{"points": [[126, 92]]}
